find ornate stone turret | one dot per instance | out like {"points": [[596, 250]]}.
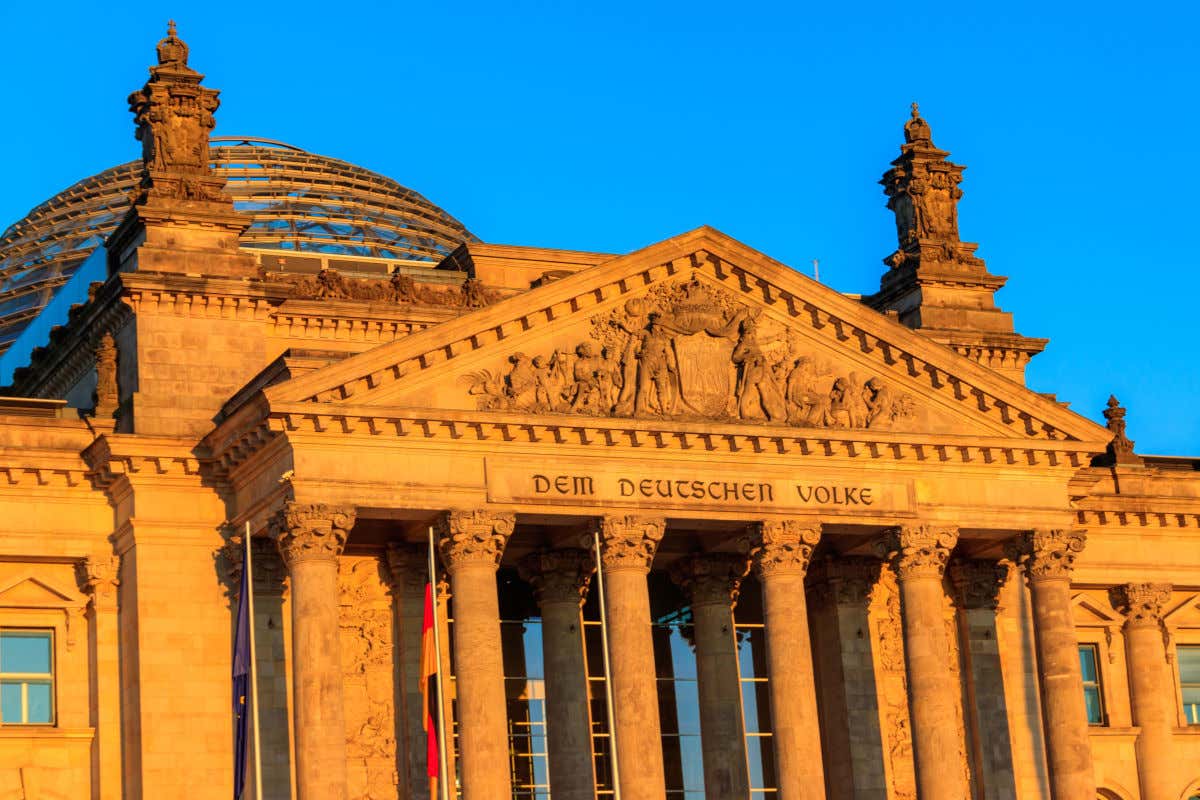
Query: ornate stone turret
{"points": [[181, 219], [936, 282]]}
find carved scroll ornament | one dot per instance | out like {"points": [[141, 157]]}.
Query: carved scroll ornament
{"points": [[977, 582], [1049, 553], [311, 531], [1142, 604], [918, 551], [711, 578], [778, 546], [629, 542], [473, 537], [97, 576], [691, 351], [559, 576]]}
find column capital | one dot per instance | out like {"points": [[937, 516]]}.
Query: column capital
{"points": [[311, 531], [1141, 603], [1048, 553], [844, 580], [407, 565], [559, 576], [97, 577], [782, 545], [473, 537], [630, 541], [918, 551], [977, 582], [711, 578]]}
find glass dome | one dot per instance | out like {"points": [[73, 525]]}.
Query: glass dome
{"points": [[296, 201]]}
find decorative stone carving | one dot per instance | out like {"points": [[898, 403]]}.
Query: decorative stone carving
{"points": [[365, 623], [844, 580], [1142, 604], [891, 680], [977, 582], [559, 576], [1120, 449], [475, 537], [630, 541], [307, 531], [691, 351], [1048, 553], [918, 551], [269, 572], [329, 284], [107, 396], [782, 545], [97, 577], [408, 568], [174, 117], [711, 578]]}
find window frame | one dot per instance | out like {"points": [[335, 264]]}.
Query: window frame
{"points": [[25, 679], [1183, 719], [1099, 683]]}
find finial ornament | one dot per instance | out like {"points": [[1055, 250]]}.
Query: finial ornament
{"points": [[915, 109], [1120, 449]]}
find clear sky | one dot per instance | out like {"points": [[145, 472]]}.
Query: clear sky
{"points": [[608, 126]]}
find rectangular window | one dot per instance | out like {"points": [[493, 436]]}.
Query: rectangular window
{"points": [[26, 677], [1189, 681], [1093, 698]]}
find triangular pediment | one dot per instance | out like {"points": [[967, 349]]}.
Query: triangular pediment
{"points": [[695, 328], [28, 591]]}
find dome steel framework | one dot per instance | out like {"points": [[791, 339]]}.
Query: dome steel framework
{"points": [[296, 201]]}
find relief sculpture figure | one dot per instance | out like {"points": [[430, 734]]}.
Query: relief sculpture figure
{"points": [[758, 396], [657, 371]]}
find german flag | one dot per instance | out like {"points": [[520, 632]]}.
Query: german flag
{"points": [[429, 694]]}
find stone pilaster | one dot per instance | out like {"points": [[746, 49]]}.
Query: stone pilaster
{"points": [[780, 551], [711, 582], [918, 554], [471, 543], [977, 584], [561, 578], [628, 545], [407, 570], [98, 579], [1151, 685], [310, 538], [839, 591], [1048, 556]]}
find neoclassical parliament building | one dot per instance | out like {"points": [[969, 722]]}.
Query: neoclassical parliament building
{"points": [[704, 527]]}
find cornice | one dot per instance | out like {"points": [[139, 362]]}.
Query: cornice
{"points": [[113, 457], [839, 320]]}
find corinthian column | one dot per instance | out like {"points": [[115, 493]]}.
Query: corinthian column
{"points": [[628, 545], [1048, 557], [780, 551], [560, 578], [918, 554], [310, 537], [471, 544], [711, 582], [1152, 687], [977, 584]]}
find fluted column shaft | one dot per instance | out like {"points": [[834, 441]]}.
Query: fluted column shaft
{"points": [[628, 545], [1151, 686], [918, 555], [977, 585], [711, 583], [1048, 557], [310, 537], [780, 551], [560, 578], [471, 544]]}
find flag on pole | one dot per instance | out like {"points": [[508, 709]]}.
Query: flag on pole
{"points": [[429, 693], [241, 684]]}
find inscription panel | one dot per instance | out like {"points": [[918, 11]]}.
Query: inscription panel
{"points": [[559, 483]]}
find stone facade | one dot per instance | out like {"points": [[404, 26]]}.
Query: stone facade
{"points": [[928, 542]]}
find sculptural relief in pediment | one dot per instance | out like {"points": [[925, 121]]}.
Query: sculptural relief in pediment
{"points": [[690, 351]]}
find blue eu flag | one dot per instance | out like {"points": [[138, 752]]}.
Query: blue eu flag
{"points": [[241, 683]]}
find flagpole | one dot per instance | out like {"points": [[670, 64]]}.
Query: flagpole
{"points": [[608, 692], [443, 764], [258, 794]]}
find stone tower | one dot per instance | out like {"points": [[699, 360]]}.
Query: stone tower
{"points": [[935, 282]]}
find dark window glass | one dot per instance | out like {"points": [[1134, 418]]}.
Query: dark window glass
{"points": [[1189, 681], [1092, 696], [26, 677]]}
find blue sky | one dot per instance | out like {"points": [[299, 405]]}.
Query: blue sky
{"points": [[610, 126]]}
